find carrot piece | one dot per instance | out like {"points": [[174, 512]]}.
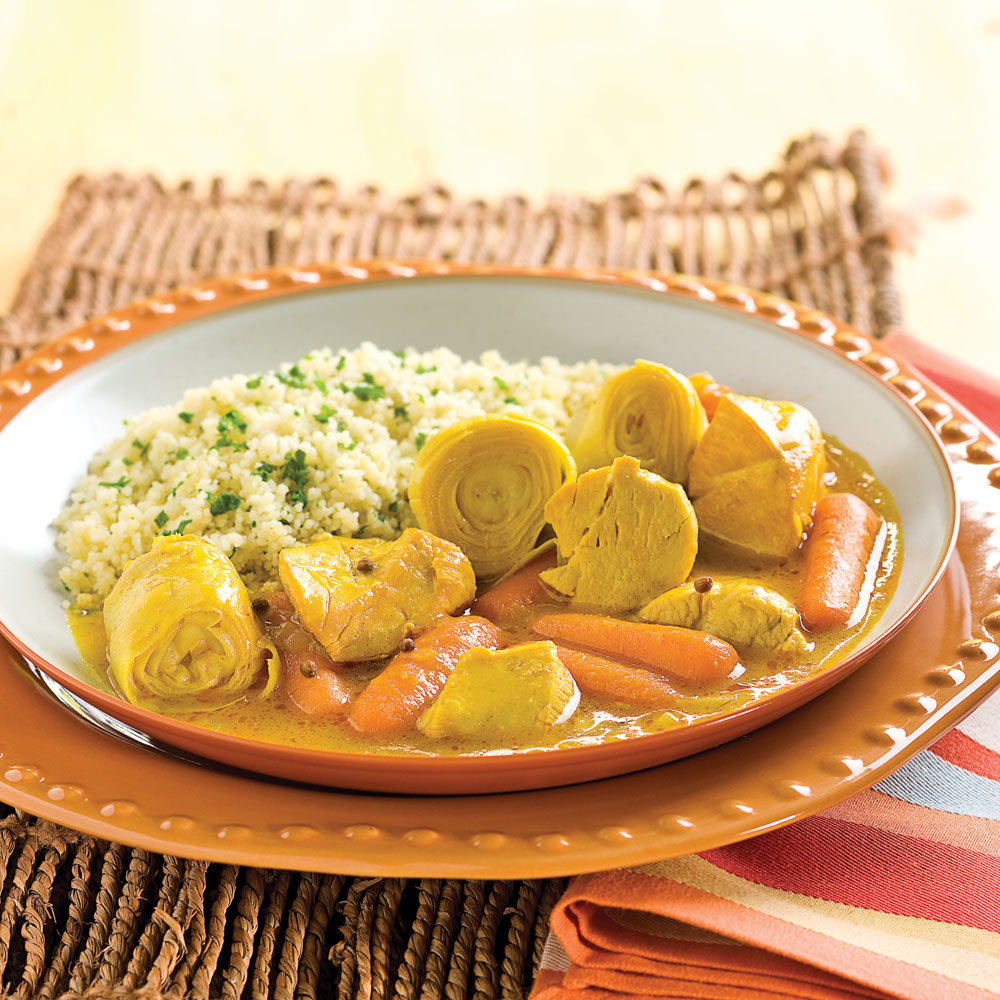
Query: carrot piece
{"points": [[411, 680], [311, 681], [835, 560], [312, 684], [695, 656], [604, 677], [709, 393], [507, 601]]}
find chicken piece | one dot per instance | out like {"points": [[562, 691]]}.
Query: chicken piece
{"points": [[756, 475], [750, 616], [361, 599], [499, 695], [623, 535]]}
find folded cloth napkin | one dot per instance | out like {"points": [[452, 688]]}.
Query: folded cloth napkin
{"points": [[893, 893]]}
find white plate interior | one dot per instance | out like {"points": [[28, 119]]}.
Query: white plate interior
{"points": [[47, 446]]}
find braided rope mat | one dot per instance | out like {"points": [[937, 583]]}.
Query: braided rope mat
{"points": [[81, 916]]}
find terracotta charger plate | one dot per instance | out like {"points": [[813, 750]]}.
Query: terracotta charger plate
{"points": [[924, 680]]}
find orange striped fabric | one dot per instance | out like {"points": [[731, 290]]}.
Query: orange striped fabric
{"points": [[893, 893]]}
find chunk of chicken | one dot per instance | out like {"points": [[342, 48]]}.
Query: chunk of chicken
{"points": [[748, 615], [503, 694], [756, 475], [361, 599], [623, 535]]}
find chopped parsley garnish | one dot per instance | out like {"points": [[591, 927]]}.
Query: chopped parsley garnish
{"points": [[341, 425], [324, 414], [143, 448], [400, 354], [182, 453], [400, 413], [393, 506], [421, 370], [222, 503], [185, 416], [231, 418], [126, 461], [320, 384], [511, 401], [229, 421], [295, 378], [253, 383], [118, 484], [177, 485], [421, 440], [341, 361], [295, 473], [179, 530], [161, 519], [264, 470], [501, 383], [368, 377], [347, 447], [367, 392]]}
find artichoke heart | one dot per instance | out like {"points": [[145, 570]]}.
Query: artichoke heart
{"points": [[362, 598], [497, 695], [483, 484], [648, 411], [181, 634], [623, 535], [748, 615], [757, 474]]}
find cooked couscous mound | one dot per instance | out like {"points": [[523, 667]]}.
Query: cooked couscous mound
{"points": [[255, 463]]}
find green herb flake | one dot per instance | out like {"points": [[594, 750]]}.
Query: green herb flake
{"points": [[400, 354], [421, 370], [120, 483], [295, 473], [511, 401], [393, 507], [264, 470], [222, 503], [179, 530], [347, 447], [294, 378], [161, 519], [143, 448], [341, 361], [320, 384], [324, 414], [421, 440], [254, 383], [368, 392], [182, 453], [185, 416], [229, 419], [126, 461], [501, 383], [400, 413], [341, 425]]}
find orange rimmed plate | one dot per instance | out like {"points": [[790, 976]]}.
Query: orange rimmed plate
{"points": [[148, 353]]}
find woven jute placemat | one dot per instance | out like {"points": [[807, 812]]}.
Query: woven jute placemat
{"points": [[82, 916]]}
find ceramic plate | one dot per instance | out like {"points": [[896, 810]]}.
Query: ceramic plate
{"points": [[149, 353]]}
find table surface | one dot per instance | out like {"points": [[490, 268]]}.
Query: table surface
{"points": [[530, 96]]}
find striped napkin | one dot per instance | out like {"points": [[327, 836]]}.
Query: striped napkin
{"points": [[893, 893]]}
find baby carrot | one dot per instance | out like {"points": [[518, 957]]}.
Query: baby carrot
{"points": [[695, 656], [411, 680], [312, 684], [835, 559], [604, 677], [311, 680], [709, 393], [507, 601]]}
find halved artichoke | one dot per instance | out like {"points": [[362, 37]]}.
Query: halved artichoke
{"points": [[181, 634], [483, 484], [649, 412]]}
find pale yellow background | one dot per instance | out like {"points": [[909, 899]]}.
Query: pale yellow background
{"points": [[516, 96]]}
